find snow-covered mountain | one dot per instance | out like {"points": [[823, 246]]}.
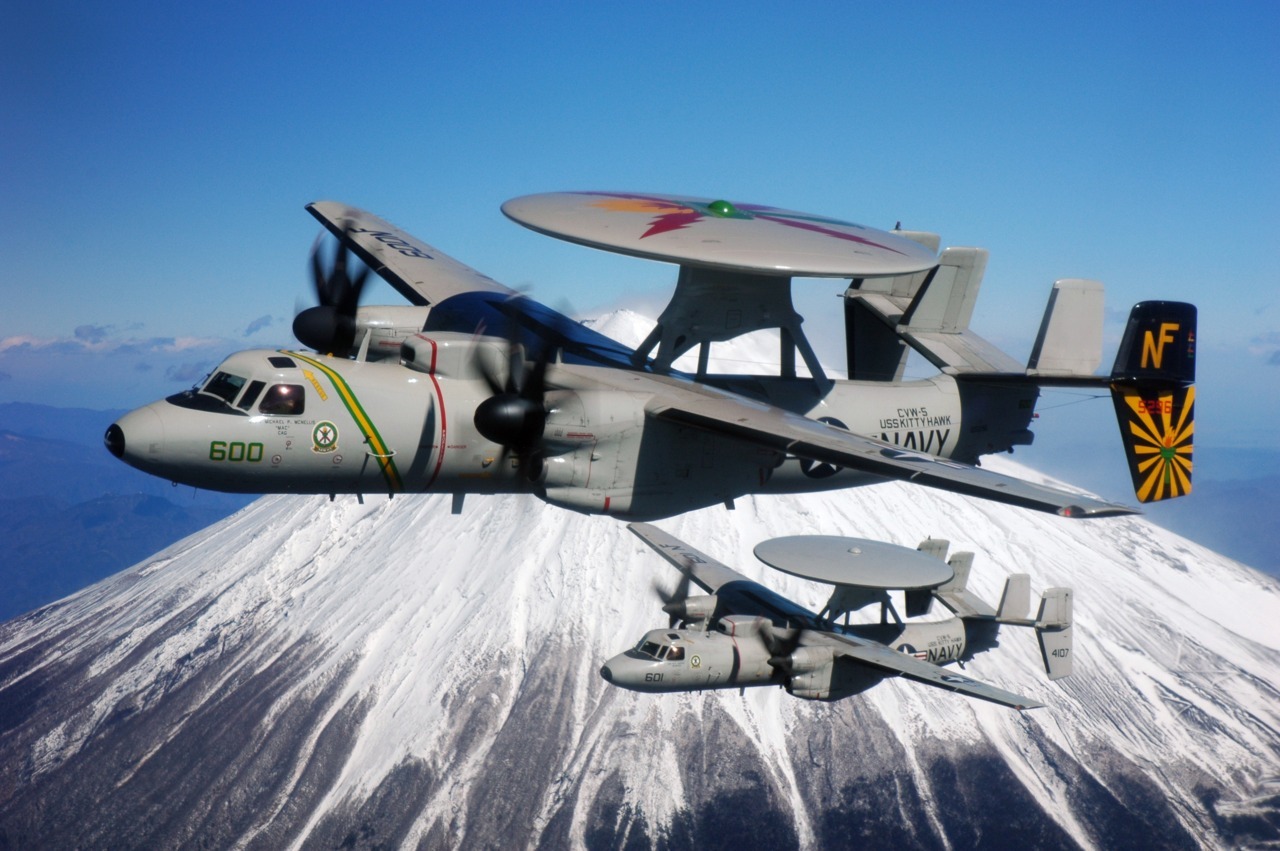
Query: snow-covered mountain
{"points": [[309, 673]]}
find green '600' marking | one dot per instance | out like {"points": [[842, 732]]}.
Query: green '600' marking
{"points": [[220, 450]]}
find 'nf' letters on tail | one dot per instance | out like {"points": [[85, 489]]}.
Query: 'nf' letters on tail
{"points": [[1152, 386]]}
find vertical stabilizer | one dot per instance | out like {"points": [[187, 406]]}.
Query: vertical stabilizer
{"points": [[1152, 387], [872, 309], [936, 547], [1070, 338], [1054, 631], [1015, 602]]}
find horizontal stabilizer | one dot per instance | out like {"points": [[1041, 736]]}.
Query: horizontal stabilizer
{"points": [[936, 324], [930, 312], [962, 354], [956, 596]]}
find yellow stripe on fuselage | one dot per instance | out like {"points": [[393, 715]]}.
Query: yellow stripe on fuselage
{"points": [[377, 447]]}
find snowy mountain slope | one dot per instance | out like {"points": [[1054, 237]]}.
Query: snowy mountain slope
{"points": [[322, 674], [322, 662]]}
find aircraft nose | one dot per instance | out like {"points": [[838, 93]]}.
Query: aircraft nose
{"points": [[114, 440], [136, 437], [606, 674]]}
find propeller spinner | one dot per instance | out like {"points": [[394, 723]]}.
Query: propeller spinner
{"points": [[515, 416], [331, 325]]}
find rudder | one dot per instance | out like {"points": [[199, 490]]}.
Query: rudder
{"points": [[1153, 390], [1054, 631]]}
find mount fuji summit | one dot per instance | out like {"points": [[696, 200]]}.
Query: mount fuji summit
{"points": [[317, 674]]}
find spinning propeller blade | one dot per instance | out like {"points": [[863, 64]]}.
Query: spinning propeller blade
{"points": [[331, 326], [516, 414], [781, 643], [673, 602]]}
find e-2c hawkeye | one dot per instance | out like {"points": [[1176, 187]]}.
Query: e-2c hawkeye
{"points": [[473, 388], [740, 634]]}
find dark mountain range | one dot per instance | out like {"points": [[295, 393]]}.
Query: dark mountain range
{"points": [[70, 514]]}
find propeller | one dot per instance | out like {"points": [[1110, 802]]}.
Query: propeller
{"points": [[673, 601], [781, 643], [515, 416], [331, 325]]}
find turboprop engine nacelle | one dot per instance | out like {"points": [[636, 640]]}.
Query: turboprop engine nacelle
{"points": [[451, 355], [377, 329], [388, 326], [812, 670], [700, 608]]}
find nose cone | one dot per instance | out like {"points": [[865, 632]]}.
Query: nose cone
{"points": [[136, 438], [114, 440], [626, 673]]}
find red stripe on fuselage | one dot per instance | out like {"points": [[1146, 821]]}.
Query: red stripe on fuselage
{"points": [[444, 421]]}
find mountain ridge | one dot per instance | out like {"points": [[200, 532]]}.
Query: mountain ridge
{"points": [[434, 678], [310, 673]]}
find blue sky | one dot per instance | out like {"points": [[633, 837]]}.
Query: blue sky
{"points": [[156, 159]]}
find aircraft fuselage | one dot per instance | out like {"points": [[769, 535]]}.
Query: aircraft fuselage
{"points": [[298, 422]]}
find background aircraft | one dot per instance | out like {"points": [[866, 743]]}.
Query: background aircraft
{"points": [[742, 634], [477, 389]]}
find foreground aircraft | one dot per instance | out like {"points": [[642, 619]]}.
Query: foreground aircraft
{"points": [[742, 634], [474, 388]]}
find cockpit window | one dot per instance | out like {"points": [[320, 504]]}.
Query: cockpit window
{"points": [[283, 400], [660, 652], [250, 395], [224, 385], [649, 648]]}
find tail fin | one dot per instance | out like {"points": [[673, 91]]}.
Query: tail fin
{"points": [[1153, 389], [1015, 602], [1053, 629], [955, 594], [1052, 623]]}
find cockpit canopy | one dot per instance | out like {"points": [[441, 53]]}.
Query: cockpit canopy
{"points": [[248, 384], [661, 647]]}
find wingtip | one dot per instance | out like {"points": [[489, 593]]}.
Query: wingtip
{"points": [[1103, 509]]}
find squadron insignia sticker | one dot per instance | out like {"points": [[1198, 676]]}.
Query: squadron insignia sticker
{"points": [[324, 437]]}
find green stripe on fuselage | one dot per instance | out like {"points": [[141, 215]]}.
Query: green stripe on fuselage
{"points": [[377, 447]]}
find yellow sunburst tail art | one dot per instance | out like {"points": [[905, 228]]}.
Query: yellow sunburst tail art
{"points": [[1153, 388]]}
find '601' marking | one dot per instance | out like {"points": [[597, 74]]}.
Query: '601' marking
{"points": [[220, 450]]}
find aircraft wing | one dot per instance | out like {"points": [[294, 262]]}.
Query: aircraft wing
{"points": [[720, 411], [420, 273], [899, 663], [706, 572]]}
